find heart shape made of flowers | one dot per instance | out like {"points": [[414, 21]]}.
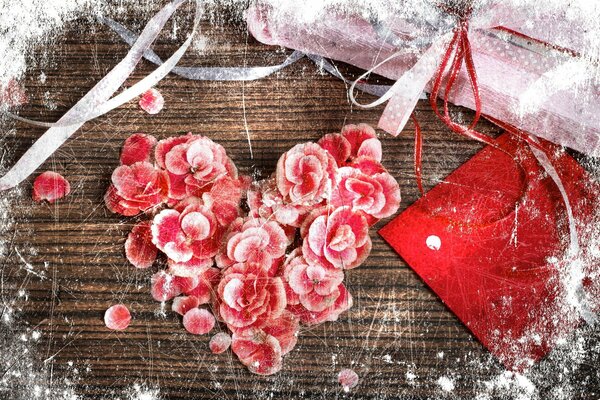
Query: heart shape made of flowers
{"points": [[259, 273]]}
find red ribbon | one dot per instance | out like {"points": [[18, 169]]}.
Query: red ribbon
{"points": [[461, 48]]}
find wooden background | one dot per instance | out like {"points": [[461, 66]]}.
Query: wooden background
{"points": [[398, 337]]}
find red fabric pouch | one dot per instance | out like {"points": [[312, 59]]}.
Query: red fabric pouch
{"points": [[489, 239]]}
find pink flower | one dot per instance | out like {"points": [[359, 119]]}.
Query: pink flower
{"points": [[258, 351], [206, 288], [340, 239], [195, 164], [193, 233], [342, 303], [50, 186], [285, 330], [224, 198], [355, 141], [137, 147], [322, 199], [164, 146], [254, 240], [248, 297], [136, 188], [376, 195], [261, 350], [265, 201], [304, 174], [314, 285]]}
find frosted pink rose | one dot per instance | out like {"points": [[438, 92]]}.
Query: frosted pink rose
{"points": [[265, 201], [136, 188], [193, 233], [258, 351], [304, 174], [376, 195], [164, 146], [261, 350], [194, 163], [315, 286], [285, 330], [354, 141], [248, 297], [224, 198], [253, 240], [340, 304], [340, 239]]}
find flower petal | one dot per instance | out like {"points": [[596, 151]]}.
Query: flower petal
{"points": [[117, 317], [285, 330], [370, 148], [164, 287], [137, 147], [152, 101], [260, 352], [348, 379], [219, 343], [182, 304], [195, 225], [50, 186], [164, 146], [198, 321], [337, 145], [139, 249], [175, 160]]}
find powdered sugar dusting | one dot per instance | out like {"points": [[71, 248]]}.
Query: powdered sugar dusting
{"points": [[409, 362]]}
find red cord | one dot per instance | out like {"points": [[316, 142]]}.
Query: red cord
{"points": [[418, 154], [461, 47], [451, 66]]}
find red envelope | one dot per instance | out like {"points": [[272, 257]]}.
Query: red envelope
{"points": [[487, 240]]}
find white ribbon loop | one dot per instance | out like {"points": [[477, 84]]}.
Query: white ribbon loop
{"points": [[407, 90], [96, 102]]}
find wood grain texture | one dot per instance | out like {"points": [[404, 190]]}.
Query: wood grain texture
{"points": [[397, 325]]}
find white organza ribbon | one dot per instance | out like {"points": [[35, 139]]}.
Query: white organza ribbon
{"points": [[406, 92], [96, 101], [576, 295]]}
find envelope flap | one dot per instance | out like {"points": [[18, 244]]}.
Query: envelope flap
{"points": [[483, 241]]}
